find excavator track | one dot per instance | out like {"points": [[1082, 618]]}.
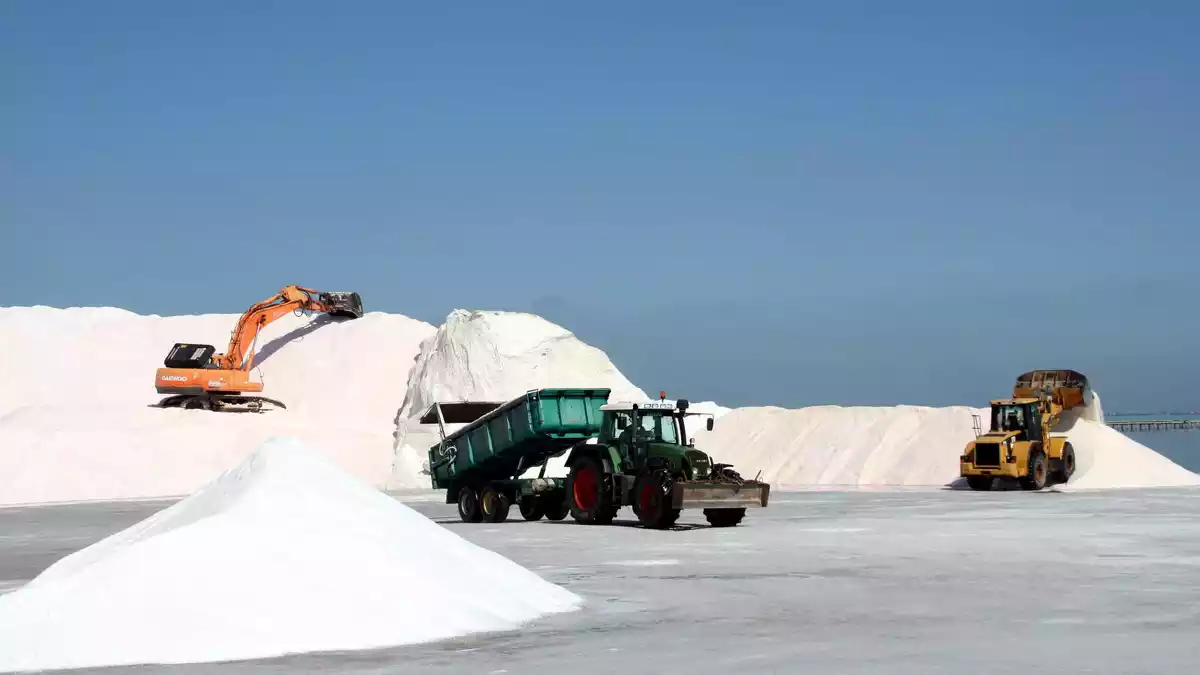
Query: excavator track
{"points": [[219, 402]]}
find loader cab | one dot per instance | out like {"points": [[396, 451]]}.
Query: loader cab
{"points": [[1017, 415]]}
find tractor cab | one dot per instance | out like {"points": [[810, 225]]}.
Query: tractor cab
{"points": [[1019, 415], [659, 421], [654, 431]]}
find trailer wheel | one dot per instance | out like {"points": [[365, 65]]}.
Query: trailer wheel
{"points": [[555, 506], [468, 505], [590, 493], [531, 508], [1036, 480], [724, 517], [494, 505], [650, 500]]}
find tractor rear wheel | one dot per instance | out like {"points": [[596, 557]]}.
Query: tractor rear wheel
{"points": [[589, 492], [651, 501], [1036, 480], [494, 504]]}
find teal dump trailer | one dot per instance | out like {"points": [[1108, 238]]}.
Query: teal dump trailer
{"points": [[479, 464]]}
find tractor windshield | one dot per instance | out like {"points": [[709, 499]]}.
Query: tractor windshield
{"points": [[657, 426]]}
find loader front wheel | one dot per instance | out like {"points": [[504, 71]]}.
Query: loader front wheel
{"points": [[590, 494], [1036, 480], [724, 517], [468, 505]]}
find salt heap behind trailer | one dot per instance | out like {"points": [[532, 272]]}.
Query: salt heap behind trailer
{"points": [[284, 553]]}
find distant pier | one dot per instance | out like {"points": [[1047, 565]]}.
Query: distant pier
{"points": [[1153, 425]]}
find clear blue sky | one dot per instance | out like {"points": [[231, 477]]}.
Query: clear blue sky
{"points": [[770, 202]]}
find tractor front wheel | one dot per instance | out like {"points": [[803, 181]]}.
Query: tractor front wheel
{"points": [[651, 500], [724, 517]]}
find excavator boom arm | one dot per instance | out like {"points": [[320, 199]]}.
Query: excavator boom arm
{"points": [[288, 299]]}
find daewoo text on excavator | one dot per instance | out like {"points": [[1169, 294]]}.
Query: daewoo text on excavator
{"points": [[196, 377]]}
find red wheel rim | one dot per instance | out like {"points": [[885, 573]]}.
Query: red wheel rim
{"points": [[646, 498], [584, 488]]}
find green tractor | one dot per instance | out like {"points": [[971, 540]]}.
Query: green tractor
{"points": [[642, 459], [618, 454]]}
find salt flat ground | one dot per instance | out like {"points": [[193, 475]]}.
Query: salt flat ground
{"points": [[922, 581]]}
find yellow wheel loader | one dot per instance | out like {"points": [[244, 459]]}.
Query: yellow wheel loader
{"points": [[1020, 443]]}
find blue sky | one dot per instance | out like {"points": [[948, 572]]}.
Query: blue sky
{"points": [[764, 203]]}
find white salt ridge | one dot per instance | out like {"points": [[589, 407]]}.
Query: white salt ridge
{"points": [[493, 356], [284, 553], [75, 422], [1107, 459], [911, 446]]}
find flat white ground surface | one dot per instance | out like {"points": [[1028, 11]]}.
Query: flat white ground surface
{"points": [[931, 581]]}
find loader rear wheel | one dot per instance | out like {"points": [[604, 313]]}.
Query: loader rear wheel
{"points": [[590, 493], [1036, 480], [494, 505], [468, 505], [1066, 465], [724, 517], [531, 508], [651, 500]]}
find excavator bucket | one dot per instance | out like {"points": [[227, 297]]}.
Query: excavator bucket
{"points": [[343, 303]]}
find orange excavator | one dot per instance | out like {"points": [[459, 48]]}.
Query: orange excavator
{"points": [[196, 377]]}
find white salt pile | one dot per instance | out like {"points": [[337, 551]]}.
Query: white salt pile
{"points": [[911, 446], [835, 445], [1106, 458], [285, 553], [493, 356], [75, 422]]}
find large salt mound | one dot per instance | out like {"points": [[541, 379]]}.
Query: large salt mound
{"points": [[281, 554], [834, 445], [1107, 458], [75, 422], [493, 356], [910, 446]]}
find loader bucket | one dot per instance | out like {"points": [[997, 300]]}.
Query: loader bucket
{"points": [[342, 303], [1068, 387]]}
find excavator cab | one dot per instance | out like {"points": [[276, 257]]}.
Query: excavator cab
{"points": [[190, 355]]}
